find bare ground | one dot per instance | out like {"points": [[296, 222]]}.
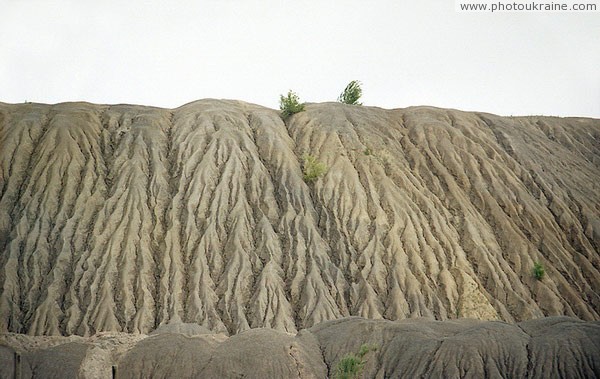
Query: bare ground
{"points": [[123, 218]]}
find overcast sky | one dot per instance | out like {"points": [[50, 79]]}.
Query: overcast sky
{"points": [[168, 53]]}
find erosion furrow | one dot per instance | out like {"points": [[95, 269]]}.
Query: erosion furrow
{"points": [[125, 218]]}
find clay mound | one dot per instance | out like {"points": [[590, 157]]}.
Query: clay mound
{"points": [[124, 218], [7, 364], [167, 356], [57, 362], [266, 353], [421, 348], [411, 348]]}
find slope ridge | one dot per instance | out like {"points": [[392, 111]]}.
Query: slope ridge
{"points": [[123, 218]]}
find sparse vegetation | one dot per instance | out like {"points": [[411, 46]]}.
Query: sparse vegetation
{"points": [[350, 366], [538, 271], [290, 104], [351, 93], [365, 348], [313, 169], [368, 151]]}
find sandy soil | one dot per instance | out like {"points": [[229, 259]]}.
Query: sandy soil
{"points": [[123, 218], [411, 348]]}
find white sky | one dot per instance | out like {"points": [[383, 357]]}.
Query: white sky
{"points": [[168, 53]]}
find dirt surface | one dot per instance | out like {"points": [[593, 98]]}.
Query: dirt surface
{"points": [[412, 348], [124, 218]]}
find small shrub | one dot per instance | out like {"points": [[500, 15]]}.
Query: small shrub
{"points": [[351, 93], [350, 366], [368, 151], [538, 271], [313, 169], [365, 348], [290, 104]]}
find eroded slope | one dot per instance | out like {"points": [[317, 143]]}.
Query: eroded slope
{"points": [[122, 218], [412, 348]]}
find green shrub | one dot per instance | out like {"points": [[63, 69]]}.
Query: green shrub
{"points": [[351, 93], [290, 104], [365, 348], [350, 366], [313, 169], [538, 271]]}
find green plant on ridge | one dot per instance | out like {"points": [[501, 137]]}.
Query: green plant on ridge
{"points": [[365, 348], [290, 104], [313, 169], [351, 93], [350, 366], [538, 271]]}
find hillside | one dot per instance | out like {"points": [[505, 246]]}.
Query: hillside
{"points": [[551, 347], [123, 218]]}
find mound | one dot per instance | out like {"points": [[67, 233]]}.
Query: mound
{"points": [[548, 347], [124, 218]]}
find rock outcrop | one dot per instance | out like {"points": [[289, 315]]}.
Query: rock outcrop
{"points": [[124, 218]]}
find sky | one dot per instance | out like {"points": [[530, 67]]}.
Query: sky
{"points": [[405, 53]]}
